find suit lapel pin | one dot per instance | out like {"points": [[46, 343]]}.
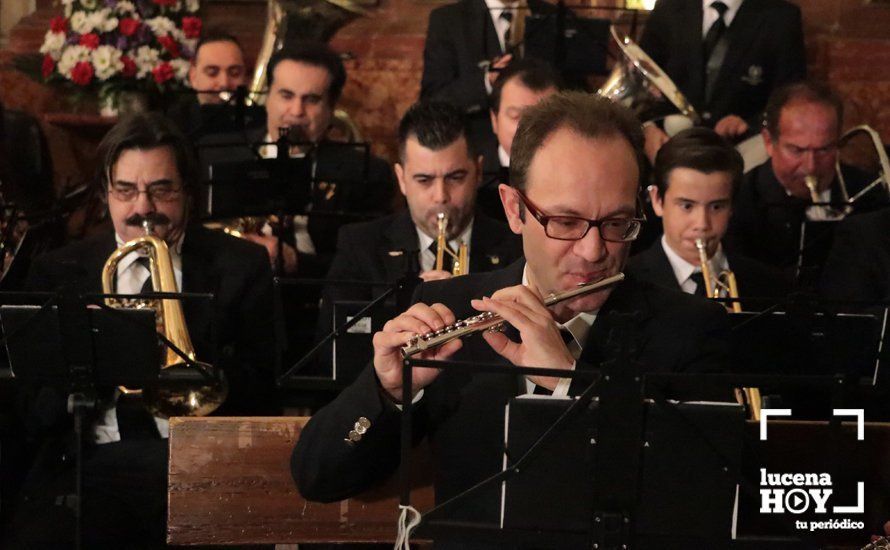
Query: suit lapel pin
{"points": [[495, 260], [754, 76], [396, 253]]}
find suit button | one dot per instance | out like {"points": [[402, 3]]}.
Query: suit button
{"points": [[354, 436], [706, 115], [363, 422]]}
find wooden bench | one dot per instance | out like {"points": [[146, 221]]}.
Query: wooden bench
{"points": [[230, 483]]}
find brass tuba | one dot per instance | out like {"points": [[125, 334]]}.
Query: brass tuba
{"points": [[185, 399], [461, 257]]}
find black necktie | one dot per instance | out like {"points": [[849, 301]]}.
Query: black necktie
{"points": [[508, 17], [147, 285], [447, 258], [568, 339], [715, 32], [699, 281]]}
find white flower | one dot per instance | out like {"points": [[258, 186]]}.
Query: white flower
{"points": [[68, 7], [107, 61], [192, 6], [178, 35], [181, 68], [81, 23], [53, 42], [146, 58], [71, 57], [88, 4], [160, 26], [124, 7]]}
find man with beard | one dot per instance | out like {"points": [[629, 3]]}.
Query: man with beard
{"points": [[438, 172], [574, 175], [146, 174]]}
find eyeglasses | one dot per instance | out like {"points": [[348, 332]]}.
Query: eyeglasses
{"points": [[157, 192], [572, 228]]}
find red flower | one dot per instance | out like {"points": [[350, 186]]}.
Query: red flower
{"points": [[169, 44], [191, 27], [49, 65], [82, 73], [129, 69], [58, 24], [165, 2], [162, 73], [90, 40], [128, 26]]}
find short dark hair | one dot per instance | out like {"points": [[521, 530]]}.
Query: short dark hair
{"points": [[534, 74], [590, 115], [216, 34], [435, 125], [700, 149], [805, 91], [145, 131], [317, 55]]}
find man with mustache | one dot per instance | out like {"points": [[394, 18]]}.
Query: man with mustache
{"points": [[802, 126], [147, 174], [574, 175], [438, 171]]}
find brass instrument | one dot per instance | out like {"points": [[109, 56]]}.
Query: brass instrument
{"points": [[813, 185], [724, 285], [488, 321], [179, 400], [883, 177], [461, 257], [637, 82], [721, 285]]}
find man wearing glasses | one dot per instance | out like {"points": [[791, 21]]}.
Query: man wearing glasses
{"points": [[801, 131], [147, 173], [574, 171]]}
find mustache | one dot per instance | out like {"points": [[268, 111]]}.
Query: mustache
{"points": [[156, 218]]}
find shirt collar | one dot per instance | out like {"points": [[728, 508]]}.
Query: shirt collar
{"points": [[503, 157], [579, 325], [683, 269], [425, 240], [710, 15], [175, 254]]}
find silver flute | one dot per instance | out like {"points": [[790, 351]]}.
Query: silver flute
{"points": [[492, 321]]}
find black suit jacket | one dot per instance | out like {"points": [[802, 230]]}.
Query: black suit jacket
{"points": [[858, 266], [766, 221], [234, 332], [386, 250], [765, 50], [754, 278], [463, 414], [343, 183]]}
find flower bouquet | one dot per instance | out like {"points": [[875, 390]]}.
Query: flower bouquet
{"points": [[111, 46]]}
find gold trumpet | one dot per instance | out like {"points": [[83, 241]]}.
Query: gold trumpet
{"points": [[721, 285], [724, 285], [461, 258], [813, 185], [184, 399], [488, 321]]}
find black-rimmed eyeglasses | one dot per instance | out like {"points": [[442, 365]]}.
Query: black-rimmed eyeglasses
{"points": [[573, 228]]}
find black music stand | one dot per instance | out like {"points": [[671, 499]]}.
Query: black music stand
{"points": [[77, 348]]}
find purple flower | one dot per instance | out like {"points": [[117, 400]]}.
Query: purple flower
{"points": [[121, 43], [72, 39], [146, 8], [111, 4]]}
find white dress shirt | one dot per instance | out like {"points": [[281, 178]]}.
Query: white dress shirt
{"points": [[503, 157], [709, 14], [131, 275], [427, 259], [683, 270]]}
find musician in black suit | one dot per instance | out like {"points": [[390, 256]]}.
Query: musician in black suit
{"points": [[147, 173], [305, 83], [522, 84], [803, 122], [753, 47], [697, 174], [438, 171], [463, 41], [575, 157]]}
